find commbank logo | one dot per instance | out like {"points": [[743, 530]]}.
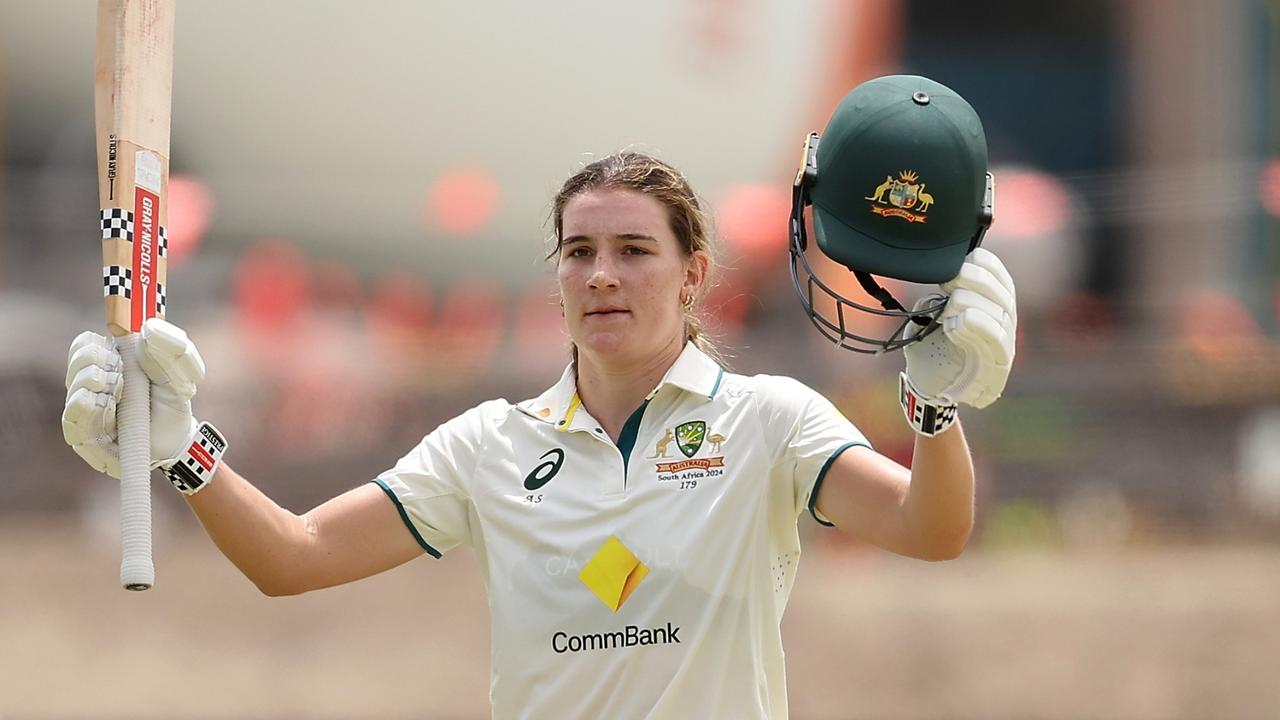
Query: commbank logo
{"points": [[542, 474], [628, 636], [613, 573]]}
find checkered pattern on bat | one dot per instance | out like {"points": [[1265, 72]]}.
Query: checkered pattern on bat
{"points": [[117, 222], [117, 280], [160, 299]]}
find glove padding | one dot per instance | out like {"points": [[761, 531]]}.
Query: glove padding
{"points": [[969, 359], [175, 368]]}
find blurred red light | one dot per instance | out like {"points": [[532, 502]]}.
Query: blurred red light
{"points": [[462, 201], [753, 220], [1215, 324], [1030, 204], [1269, 187], [190, 212]]}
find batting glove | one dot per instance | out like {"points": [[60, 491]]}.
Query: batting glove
{"points": [[187, 451], [969, 360]]}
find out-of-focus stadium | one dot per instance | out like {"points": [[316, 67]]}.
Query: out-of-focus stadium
{"points": [[357, 228]]}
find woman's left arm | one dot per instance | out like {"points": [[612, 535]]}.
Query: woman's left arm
{"points": [[925, 512]]}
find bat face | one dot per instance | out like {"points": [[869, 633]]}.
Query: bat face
{"points": [[132, 85]]}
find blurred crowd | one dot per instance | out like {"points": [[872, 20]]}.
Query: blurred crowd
{"points": [[1144, 405], [323, 376]]}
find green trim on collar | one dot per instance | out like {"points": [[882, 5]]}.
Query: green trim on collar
{"points": [[822, 474], [627, 438], [716, 387], [407, 522]]}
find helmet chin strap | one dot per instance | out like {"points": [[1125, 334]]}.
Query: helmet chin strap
{"points": [[887, 301]]}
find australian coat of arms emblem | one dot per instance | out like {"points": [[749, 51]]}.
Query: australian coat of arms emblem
{"points": [[901, 197]]}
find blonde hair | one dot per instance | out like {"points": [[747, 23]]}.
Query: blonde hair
{"points": [[664, 183]]}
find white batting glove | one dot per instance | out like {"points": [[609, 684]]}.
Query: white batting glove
{"points": [[174, 366], [969, 359]]}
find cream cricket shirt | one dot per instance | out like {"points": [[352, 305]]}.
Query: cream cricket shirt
{"points": [[645, 579]]}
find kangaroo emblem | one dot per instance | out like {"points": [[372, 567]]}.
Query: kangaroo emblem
{"points": [[924, 198], [883, 188], [663, 444], [715, 439]]}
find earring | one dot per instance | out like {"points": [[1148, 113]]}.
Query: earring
{"points": [[686, 301]]}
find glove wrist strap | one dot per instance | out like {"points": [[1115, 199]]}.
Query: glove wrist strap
{"points": [[194, 467], [927, 417]]}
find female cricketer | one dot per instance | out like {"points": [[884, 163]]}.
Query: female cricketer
{"points": [[636, 523]]}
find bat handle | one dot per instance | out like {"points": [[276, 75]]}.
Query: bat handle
{"points": [[137, 572]]}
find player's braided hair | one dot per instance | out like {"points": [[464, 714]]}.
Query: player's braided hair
{"points": [[653, 177]]}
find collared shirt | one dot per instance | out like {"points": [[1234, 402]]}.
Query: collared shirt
{"points": [[640, 579]]}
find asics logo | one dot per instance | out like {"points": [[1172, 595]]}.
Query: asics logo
{"points": [[542, 474]]}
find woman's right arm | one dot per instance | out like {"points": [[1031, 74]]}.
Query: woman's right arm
{"points": [[352, 536], [355, 535]]}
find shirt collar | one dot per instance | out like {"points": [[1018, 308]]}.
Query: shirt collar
{"points": [[694, 372]]}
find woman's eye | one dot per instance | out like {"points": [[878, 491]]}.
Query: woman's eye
{"points": [[579, 251], [633, 250]]}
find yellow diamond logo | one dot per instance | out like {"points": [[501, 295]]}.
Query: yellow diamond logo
{"points": [[613, 573]]}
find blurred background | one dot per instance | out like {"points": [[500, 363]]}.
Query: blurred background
{"points": [[357, 224]]}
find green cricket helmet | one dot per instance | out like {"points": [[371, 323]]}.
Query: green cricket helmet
{"points": [[899, 186]]}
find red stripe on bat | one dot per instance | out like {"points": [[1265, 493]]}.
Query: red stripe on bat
{"points": [[146, 231], [201, 455]]}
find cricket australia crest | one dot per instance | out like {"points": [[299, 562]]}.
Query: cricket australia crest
{"points": [[901, 197], [689, 437]]}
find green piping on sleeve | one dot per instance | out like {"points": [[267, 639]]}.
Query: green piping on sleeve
{"points": [[409, 523], [817, 484]]}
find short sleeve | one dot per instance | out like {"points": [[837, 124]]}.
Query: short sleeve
{"points": [[430, 484], [806, 434]]}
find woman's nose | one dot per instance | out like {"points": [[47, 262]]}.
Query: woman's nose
{"points": [[602, 274]]}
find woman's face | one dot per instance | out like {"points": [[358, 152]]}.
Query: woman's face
{"points": [[622, 274]]}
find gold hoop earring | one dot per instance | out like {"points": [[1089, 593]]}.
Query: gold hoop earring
{"points": [[687, 301]]}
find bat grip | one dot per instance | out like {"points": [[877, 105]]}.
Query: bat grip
{"points": [[137, 572]]}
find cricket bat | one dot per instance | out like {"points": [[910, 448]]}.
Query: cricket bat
{"points": [[133, 79]]}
